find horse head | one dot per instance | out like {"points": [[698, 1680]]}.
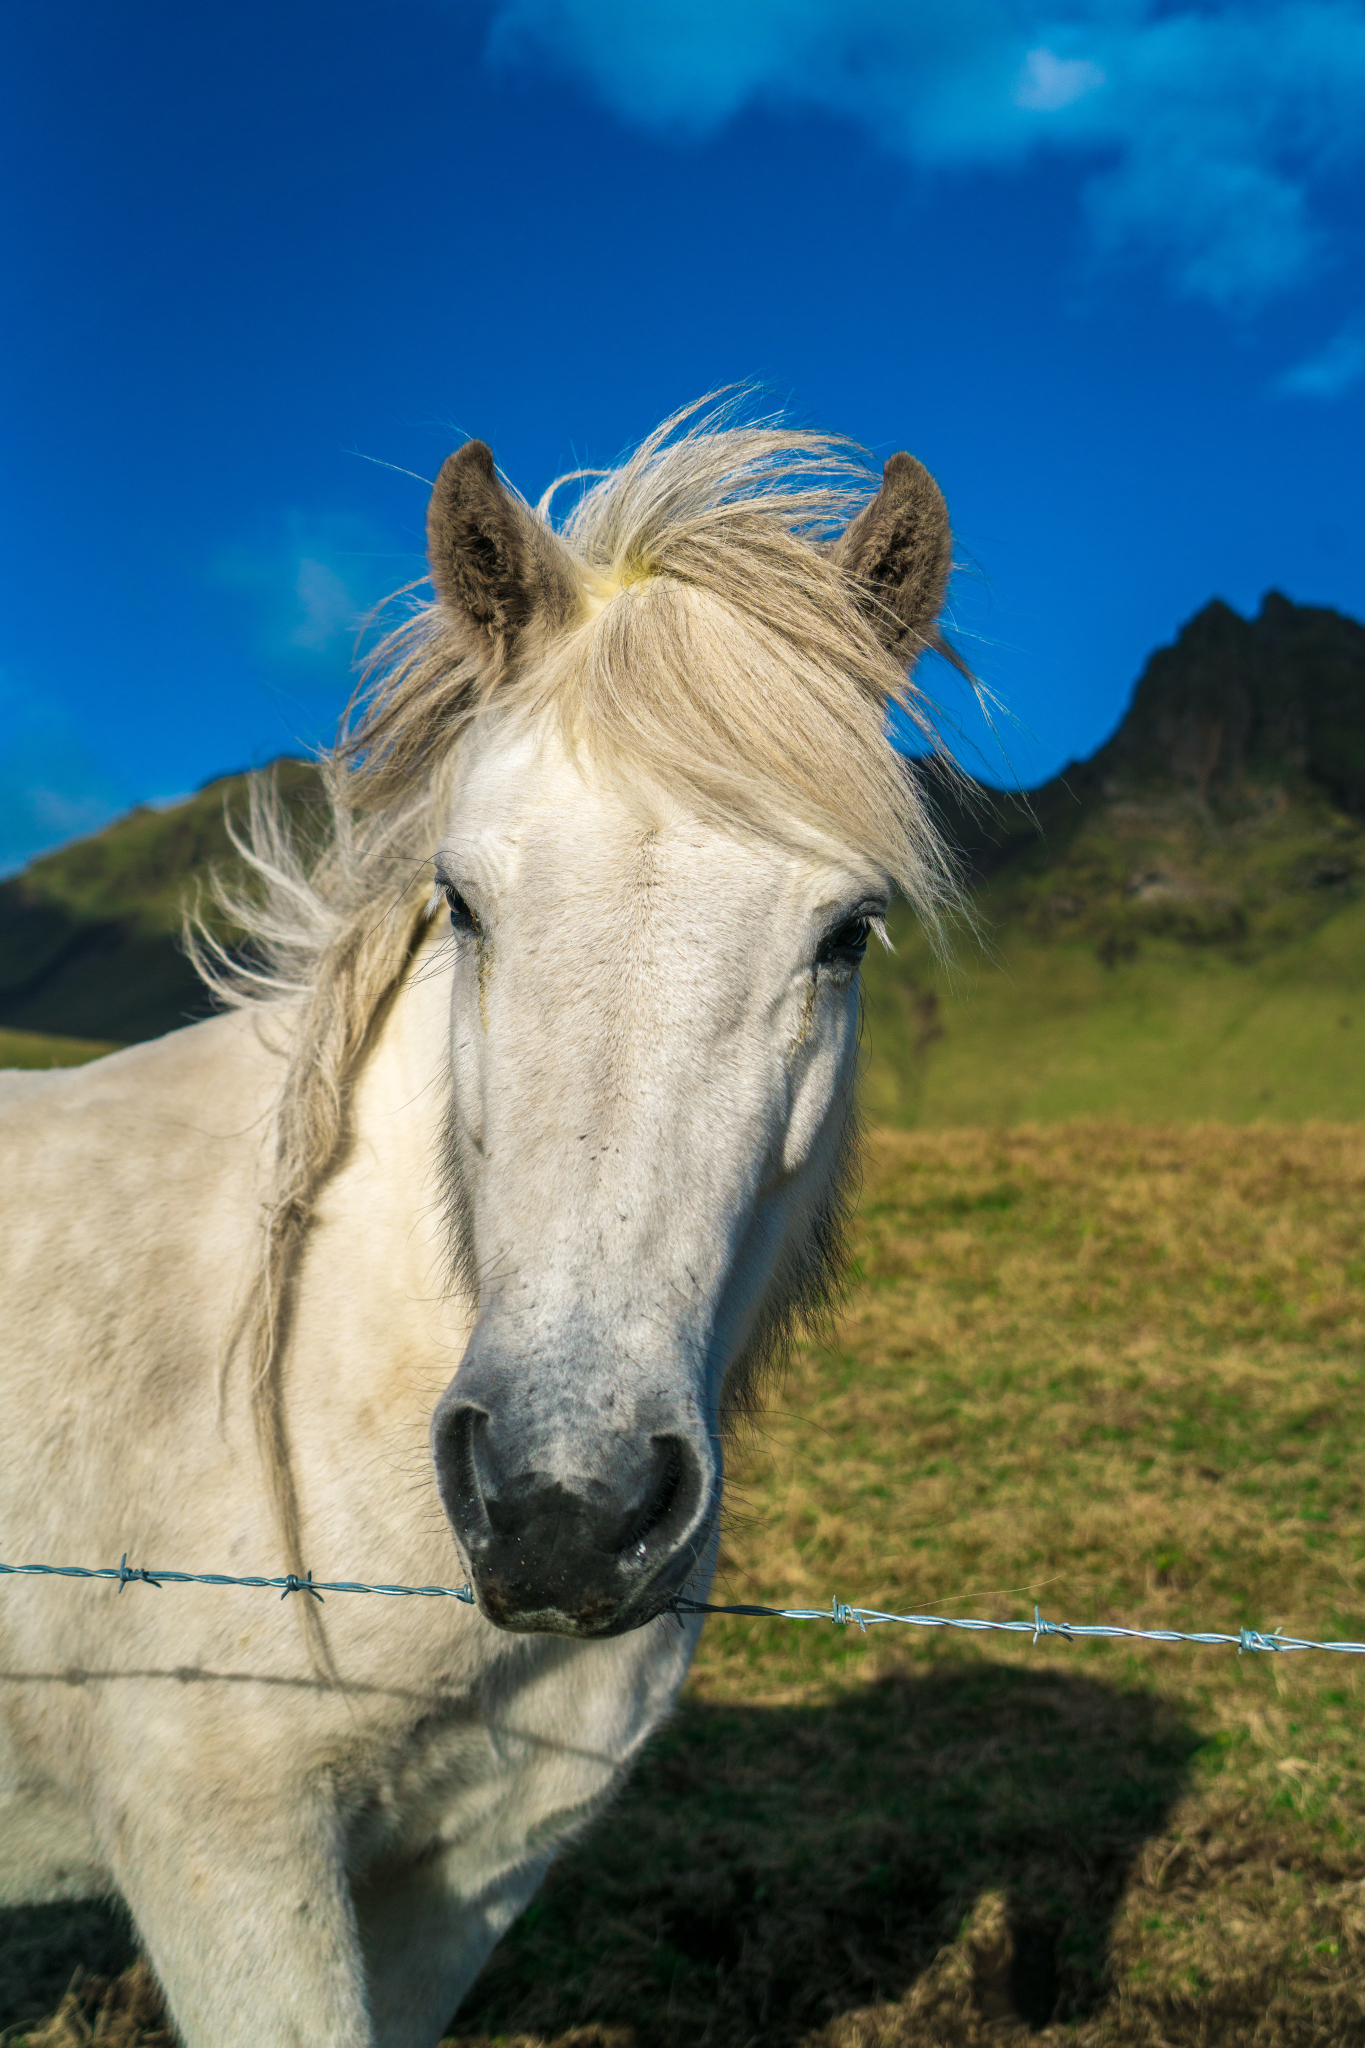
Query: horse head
{"points": [[659, 896]]}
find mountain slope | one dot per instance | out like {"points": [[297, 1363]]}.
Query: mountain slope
{"points": [[1228, 808], [89, 935], [1174, 927]]}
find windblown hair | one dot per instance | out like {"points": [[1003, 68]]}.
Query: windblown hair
{"points": [[701, 635]]}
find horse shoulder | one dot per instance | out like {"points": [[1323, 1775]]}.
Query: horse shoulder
{"points": [[129, 1204], [17, 1083], [83, 1138]]}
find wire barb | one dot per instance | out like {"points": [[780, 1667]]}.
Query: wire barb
{"points": [[1049, 1628], [129, 1575], [294, 1584], [841, 1614], [1252, 1639]]}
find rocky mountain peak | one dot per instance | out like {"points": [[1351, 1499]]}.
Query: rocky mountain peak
{"points": [[1235, 704]]}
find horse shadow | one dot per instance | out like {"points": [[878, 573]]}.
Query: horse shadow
{"points": [[43, 1947], [772, 1867]]}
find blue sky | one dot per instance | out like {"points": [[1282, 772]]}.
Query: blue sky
{"points": [[1098, 262]]}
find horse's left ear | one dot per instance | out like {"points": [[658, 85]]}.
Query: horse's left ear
{"points": [[898, 552], [497, 568]]}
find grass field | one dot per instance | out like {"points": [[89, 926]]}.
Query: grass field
{"points": [[1119, 1371], [1017, 1031], [39, 1049]]}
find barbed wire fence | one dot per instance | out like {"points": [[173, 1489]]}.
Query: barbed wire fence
{"points": [[840, 1613]]}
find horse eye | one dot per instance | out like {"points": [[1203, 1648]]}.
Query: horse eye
{"points": [[846, 944], [462, 918]]}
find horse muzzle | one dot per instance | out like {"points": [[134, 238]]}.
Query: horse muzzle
{"points": [[568, 1537]]}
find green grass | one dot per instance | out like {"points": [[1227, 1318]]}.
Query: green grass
{"points": [[1025, 1031], [40, 1049]]}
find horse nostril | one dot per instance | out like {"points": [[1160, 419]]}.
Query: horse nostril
{"points": [[461, 1482], [670, 1501]]}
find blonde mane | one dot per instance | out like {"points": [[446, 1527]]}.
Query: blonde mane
{"points": [[717, 650]]}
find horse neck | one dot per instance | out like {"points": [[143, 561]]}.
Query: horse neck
{"points": [[377, 1328], [377, 1258]]}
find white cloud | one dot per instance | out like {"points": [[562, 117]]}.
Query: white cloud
{"points": [[1201, 133], [51, 787], [1049, 82], [327, 605], [307, 583], [1332, 371]]}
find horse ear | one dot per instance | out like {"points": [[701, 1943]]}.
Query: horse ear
{"points": [[898, 552], [496, 567]]}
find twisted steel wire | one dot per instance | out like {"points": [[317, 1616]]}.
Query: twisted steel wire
{"points": [[839, 1612]]}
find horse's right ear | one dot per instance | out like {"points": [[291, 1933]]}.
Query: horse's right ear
{"points": [[898, 553], [496, 567]]}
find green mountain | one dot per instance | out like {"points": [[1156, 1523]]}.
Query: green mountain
{"points": [[1172, 928], [90, 935], [1226, 809]]}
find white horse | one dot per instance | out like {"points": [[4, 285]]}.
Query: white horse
{"points": [[476, 1227]]}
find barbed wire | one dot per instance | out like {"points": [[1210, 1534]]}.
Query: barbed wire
{"points": [[288, 1582], [839, 1612], [1073, 1631]]}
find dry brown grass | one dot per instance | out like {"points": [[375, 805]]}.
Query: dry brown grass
{"points": [[1118, 1371]]}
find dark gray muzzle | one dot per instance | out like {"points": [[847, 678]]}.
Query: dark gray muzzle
{"points": [[579, 1531]]}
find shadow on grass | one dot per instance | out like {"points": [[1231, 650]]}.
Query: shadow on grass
{"points": [[770, 1868], [42, 1947]]}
